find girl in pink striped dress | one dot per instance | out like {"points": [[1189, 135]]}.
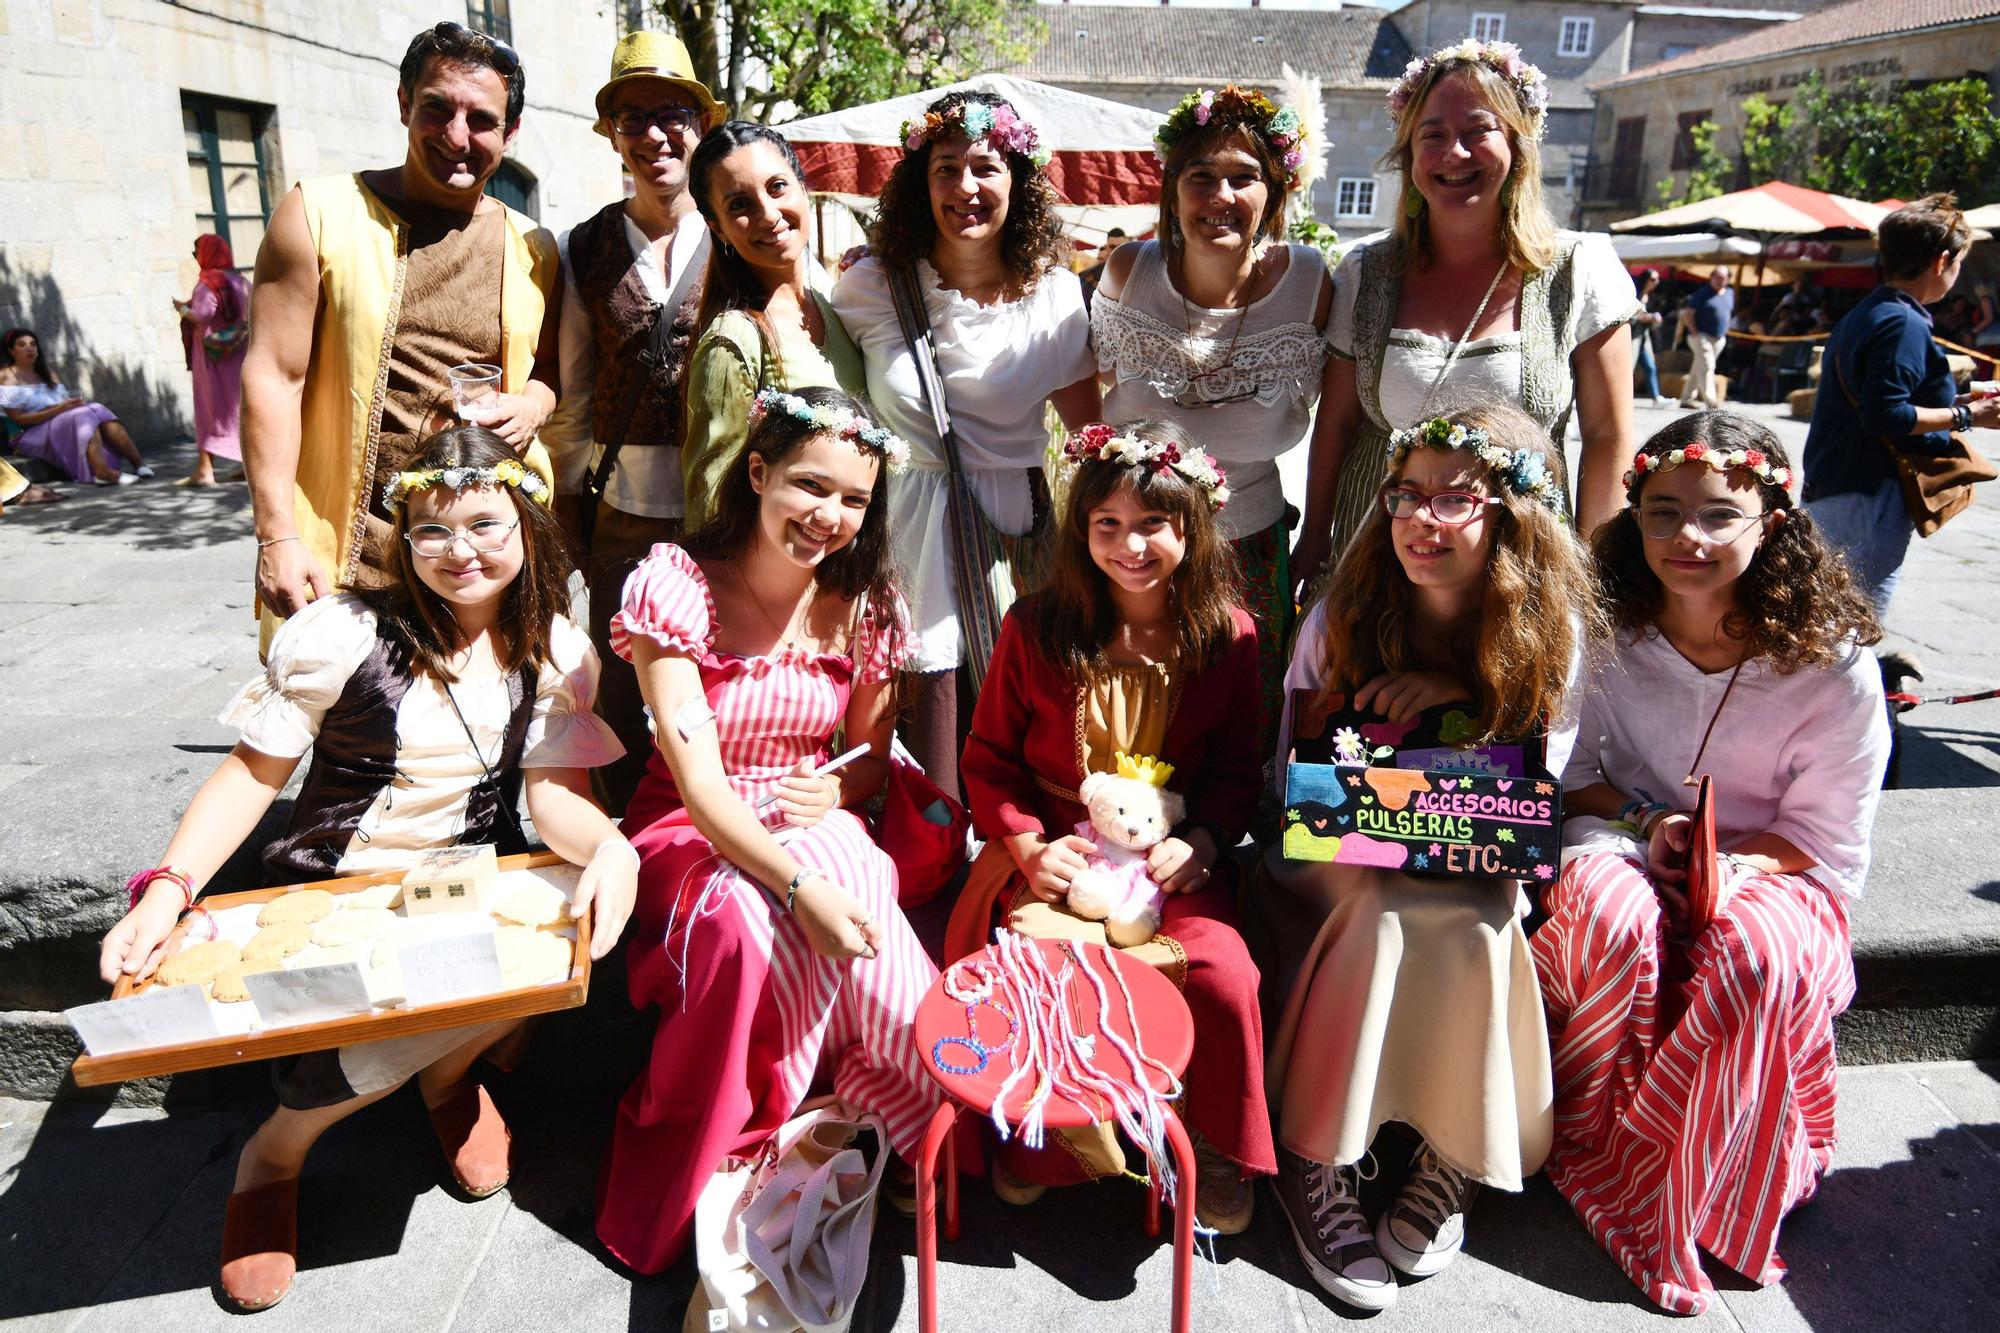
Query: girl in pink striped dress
{"points": [[767, 934], [1694, 1077]]}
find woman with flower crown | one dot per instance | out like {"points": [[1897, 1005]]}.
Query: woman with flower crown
{"points": [[1135, 647], [1473, 297], [1217, 325], [768, 934], [966, 243]]}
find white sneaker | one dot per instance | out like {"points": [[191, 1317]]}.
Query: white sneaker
{"points": [[1331, 1233], [144, 472], [124, 479], [1424, 1229]]}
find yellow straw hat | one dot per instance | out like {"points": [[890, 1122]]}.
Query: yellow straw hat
{"points": [[660, 56]]}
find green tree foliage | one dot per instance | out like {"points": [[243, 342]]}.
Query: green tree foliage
{"points": [[1708, 176], [774, 59], [1875, 142]]}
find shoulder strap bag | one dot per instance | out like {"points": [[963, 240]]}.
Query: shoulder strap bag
{"points": [[1936, 487], [982, 572], [651, 359]]}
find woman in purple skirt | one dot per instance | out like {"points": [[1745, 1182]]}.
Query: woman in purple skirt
{"points": [[57, 426]]}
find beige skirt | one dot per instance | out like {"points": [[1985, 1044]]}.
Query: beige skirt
{"points": [[1417, 1002]]}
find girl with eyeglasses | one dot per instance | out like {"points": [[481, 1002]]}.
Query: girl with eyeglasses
{"points": [[1694, 1067], [1217, 326], [1416, 1002], [426, 709]]}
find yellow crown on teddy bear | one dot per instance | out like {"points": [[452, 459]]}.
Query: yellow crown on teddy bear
{"points": [[1145, 768]]}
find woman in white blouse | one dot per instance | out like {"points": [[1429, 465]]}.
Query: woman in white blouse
{"points": [[1472, 298], [967, 226], [1693, 1045]]}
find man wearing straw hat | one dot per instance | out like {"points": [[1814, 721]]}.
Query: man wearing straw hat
{"points": [[632, 277], [372, 289]]}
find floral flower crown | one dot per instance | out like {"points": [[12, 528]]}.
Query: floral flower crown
{"points": [[1002, 125], [1277, 126], [1103, 443], [506, 472], [895, 450], [1525, 471], [1503, 57], [1755, 461]]}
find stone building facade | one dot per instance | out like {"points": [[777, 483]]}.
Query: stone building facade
{"points": [[130, 126], [1151, 56], [1641, 136]]}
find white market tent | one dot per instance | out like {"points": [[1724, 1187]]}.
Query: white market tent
{"points": [[1102, 160]]}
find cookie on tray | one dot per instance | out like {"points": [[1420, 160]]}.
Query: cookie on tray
{"points": [[276, 943], [530, 957], [532, 903], [229, 988], [301, 905], [355, 926], [375, 895], [197, 964]]}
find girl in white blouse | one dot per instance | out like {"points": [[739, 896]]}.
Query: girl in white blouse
{"points": [[423, 708], [1694, 1063]]}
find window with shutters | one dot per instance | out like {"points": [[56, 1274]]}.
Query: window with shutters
{"points": [[227, 170], [1577, 36]]}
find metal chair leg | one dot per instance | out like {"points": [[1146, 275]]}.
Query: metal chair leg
{"points": [[1184, 1204], [937, 1140]]}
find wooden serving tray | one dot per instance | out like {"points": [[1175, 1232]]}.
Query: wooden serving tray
{"points": [[93, 1070]]}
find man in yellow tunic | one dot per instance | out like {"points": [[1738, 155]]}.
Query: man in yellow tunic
{"points": [[370, 287]]}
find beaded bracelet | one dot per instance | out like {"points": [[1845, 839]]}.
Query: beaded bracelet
{"points": [[139, 883]]}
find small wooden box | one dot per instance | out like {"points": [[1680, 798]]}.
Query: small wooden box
{"points": [[451, 879], [357, 1029]]}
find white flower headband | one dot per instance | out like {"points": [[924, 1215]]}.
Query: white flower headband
{"points": [[1103, 442], [1755, 461], [895, 450], [1524, 471], [506, 472], [1503, 57]]}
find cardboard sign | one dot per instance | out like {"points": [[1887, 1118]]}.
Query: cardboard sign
{"points": [[161, 1016], [309, 994], [456, 967], [1360, 790]]}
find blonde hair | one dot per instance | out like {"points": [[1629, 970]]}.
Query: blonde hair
{"points": [[1539, 607], [1525, 226]]}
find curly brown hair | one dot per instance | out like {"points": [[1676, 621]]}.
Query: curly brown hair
{"points": [[1075, 618], [1032, 240], [1538, 611], [1796, 605]]}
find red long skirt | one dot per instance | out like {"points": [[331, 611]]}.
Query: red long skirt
{"points": [[1700, 1133]]}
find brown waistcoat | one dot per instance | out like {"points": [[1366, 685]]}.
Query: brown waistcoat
{"points": [[621, 322]]}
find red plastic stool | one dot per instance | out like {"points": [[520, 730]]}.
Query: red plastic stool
{"points": [[1168, 1030]]}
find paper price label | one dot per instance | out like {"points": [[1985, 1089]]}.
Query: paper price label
{"points": [[456, 967], [309, 994], [162, 1016]]}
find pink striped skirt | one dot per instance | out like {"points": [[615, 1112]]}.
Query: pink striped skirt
{"points": [[1697, 1133], [750, 1019]]}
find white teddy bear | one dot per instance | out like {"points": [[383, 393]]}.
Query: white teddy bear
{"points": [[1131, 812]]}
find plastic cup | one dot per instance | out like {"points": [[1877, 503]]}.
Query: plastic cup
{"points": [[475, 390]]}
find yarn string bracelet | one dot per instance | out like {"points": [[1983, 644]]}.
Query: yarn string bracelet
{"points": [[973, 997], [136, 886]]}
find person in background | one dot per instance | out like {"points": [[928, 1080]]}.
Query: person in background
{"points": [[1884, 384], [16, 489], [51, 423], [1093, 275], [370, 288], [1643, 325], [1707, 318], [616, 433], [215, 327]]}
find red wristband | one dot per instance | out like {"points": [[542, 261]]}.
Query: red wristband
{"points": [[139, 883]]}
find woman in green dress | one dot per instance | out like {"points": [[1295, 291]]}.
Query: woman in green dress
{"points": [[764, 324]]}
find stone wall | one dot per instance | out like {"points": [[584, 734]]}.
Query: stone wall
{"points": [[1720, 89], [97, 209]]}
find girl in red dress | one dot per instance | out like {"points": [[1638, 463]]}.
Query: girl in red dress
{"points": [[767, 934], [1137, 645]]}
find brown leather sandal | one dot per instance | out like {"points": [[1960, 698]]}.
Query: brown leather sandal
{"points": [[475, 1141], [260, 1244]]}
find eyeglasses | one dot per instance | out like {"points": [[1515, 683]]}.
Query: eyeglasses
{"points": [[1450, 509], [632, 122], [432, 541], [506, 60], [1718, 523]]}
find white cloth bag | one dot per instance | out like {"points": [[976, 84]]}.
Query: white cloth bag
{"points": [[781, 1241]]}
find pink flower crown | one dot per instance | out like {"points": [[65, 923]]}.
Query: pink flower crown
{"points": [[1001, 125], [1279, 127], [1755, 461], [1099, 442], [1503, 57]]}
